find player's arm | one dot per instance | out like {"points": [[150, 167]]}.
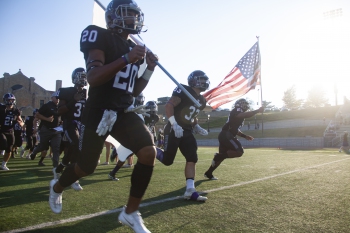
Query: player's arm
{"points": [[170, 105], [20, 121], [142, 82], [44, 118], [248, 137], [250, 114], [98, 73]]}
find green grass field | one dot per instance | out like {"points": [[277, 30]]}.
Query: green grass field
{"points": [[266, 190]]}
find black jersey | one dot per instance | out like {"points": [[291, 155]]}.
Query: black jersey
{"points": [[233, 123], [18, 130], [117, 92], [67, 94], [187, 110], [8, 118], [47, 110], [29, 125]]}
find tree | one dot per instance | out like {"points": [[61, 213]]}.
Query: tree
{"points": [[290, 100], [316, 98], [267, 104]]}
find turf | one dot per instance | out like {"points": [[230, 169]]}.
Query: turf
{"points": [[266, 190]]}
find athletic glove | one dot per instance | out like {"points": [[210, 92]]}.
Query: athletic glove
{"points": [[199, 130], [106, 124], [177, 128]]}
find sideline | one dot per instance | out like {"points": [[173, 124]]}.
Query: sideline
{"points": [[83, 217]]}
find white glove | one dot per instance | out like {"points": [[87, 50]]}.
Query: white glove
{"points": [[139, 110], [199, 130], [177, 129], [106, 124]]}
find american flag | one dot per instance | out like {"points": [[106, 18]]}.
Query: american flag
{"points": [[241, 79]]}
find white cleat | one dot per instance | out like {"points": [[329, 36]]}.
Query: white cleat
{"points": [[76, 186], [3, 167], [134, 221], [191, 194], [55, 199]]}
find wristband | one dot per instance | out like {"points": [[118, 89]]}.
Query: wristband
{"points": [[125, 60], [126, 56], [172, 120], [147, 74]]}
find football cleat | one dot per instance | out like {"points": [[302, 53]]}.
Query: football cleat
{"points": [[210, 176], [55, 199], [112, 177], [56, 175], [191, 194], [134, 221], [76, 186], [4, 167]]}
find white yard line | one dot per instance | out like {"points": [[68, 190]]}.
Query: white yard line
{"points": [[83, 217]]}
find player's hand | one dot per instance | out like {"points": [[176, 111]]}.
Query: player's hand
{"points": [[199, 130], [137, 53], [78, 96], [249, 138], [177, 130], [50, 119], [151, 60], [261, 109]]}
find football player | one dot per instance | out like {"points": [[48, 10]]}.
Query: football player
{"points": [[9, 114], [71, 105], [178, 133], [229, 146], [153, 118], [47, 130], [112, 64], [31, 138]]}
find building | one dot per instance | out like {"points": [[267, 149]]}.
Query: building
{"points": [[29, 95]]}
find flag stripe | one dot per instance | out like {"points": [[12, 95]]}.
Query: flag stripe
{"points": [[240, 80]]}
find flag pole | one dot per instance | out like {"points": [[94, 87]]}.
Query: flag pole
{"points": [[160, 66], [261, 95]]}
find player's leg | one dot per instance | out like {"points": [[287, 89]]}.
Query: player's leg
{"points": [[7, 142], [132, 133], [188, 147], [171, 145]]}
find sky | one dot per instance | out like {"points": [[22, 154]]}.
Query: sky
{"points": [[299, 46]]}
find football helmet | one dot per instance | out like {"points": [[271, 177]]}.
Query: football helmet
{"points": [[139, 100], [198, 79], [9, 99], [152, 106], [242, 104], [118, 16], [79, 77]]}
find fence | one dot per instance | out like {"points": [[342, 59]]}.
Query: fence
{"points": [[290, 143]]}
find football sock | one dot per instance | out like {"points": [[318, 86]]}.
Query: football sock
{"points": [[140, 179], [59, 168], [115, 170], [189, 183], [41, 159], [68, 177]]}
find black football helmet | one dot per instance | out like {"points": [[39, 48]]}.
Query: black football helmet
{"points": [[139, 100], [9, 99], [198, 79], [118, 13], [242, 104], [79, 77], [152, 106]]}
